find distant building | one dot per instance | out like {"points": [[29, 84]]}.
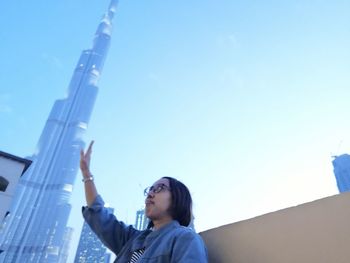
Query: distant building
{"points": [[90, 248], [107, 257], [66, 245], [341, 165], [141, 221]]}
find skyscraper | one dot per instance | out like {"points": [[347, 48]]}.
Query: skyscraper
{"points": [[64, 253], [35, 230], [90, 248], [141, 221], [341, 165]]}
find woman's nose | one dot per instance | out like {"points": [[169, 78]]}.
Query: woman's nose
{"points": [[150, 194]]}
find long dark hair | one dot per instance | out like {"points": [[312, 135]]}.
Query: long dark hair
{"points": [[181, 202]]}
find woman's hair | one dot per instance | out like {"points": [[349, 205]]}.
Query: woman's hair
{"points": [[181, 202]]}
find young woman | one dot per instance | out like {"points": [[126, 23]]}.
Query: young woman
{"points": [[168, 206]]}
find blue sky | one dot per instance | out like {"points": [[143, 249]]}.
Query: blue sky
{"points": [[244, 101]]}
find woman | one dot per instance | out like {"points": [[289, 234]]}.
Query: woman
{"points": [[167, 238]]}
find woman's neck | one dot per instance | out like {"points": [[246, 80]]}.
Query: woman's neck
{"points": [[161, 222]]}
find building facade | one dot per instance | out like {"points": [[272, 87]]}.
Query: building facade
{"points": [[141, 220], [66, 245], [11, 169], [90, 248], [36, 229], [341, 168]]}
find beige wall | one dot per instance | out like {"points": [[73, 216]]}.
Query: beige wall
{"points": [[315, 232]]}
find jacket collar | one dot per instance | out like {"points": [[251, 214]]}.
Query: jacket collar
{"points": [[147, 236]]}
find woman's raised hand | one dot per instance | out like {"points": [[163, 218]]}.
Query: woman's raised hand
{"points": [[85, 158]]}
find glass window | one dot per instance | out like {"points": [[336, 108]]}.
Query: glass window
{"points": [[3, 184]]}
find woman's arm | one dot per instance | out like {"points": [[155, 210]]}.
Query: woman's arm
{"points": [[113, 233], [88, 179]]}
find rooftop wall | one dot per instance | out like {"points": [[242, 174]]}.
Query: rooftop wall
{"points": [[318, 231]]}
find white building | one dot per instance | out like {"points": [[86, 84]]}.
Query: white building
{"points": [[11, 169]]}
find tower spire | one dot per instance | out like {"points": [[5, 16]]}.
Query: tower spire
{"points": [[104, 31]]}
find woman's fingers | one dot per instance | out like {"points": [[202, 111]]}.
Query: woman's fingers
{"points": [[85, 158], [84, 155], [89, 150]]}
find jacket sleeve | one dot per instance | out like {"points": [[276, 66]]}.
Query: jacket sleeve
{"points": [[190, 248], [113, 233]]}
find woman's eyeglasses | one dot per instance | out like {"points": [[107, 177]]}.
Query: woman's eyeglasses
{"points": [[155, 189]]}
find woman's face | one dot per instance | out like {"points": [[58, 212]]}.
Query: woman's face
{"points": [[158, 201]]}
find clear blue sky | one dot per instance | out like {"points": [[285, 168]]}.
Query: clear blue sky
{"points": [[244, 101]]}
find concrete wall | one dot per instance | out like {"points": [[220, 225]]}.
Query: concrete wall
{"points": [[315, 232]]}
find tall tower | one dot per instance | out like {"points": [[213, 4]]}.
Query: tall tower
{"points": [[35, 229], [341, 165]]}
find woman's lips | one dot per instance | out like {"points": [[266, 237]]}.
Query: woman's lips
{"points": [[149, 202]]}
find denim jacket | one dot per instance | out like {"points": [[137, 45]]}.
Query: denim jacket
{"points": [[171, 243]]}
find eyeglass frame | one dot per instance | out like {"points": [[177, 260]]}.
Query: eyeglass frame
{"points": [[155, 189]]}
